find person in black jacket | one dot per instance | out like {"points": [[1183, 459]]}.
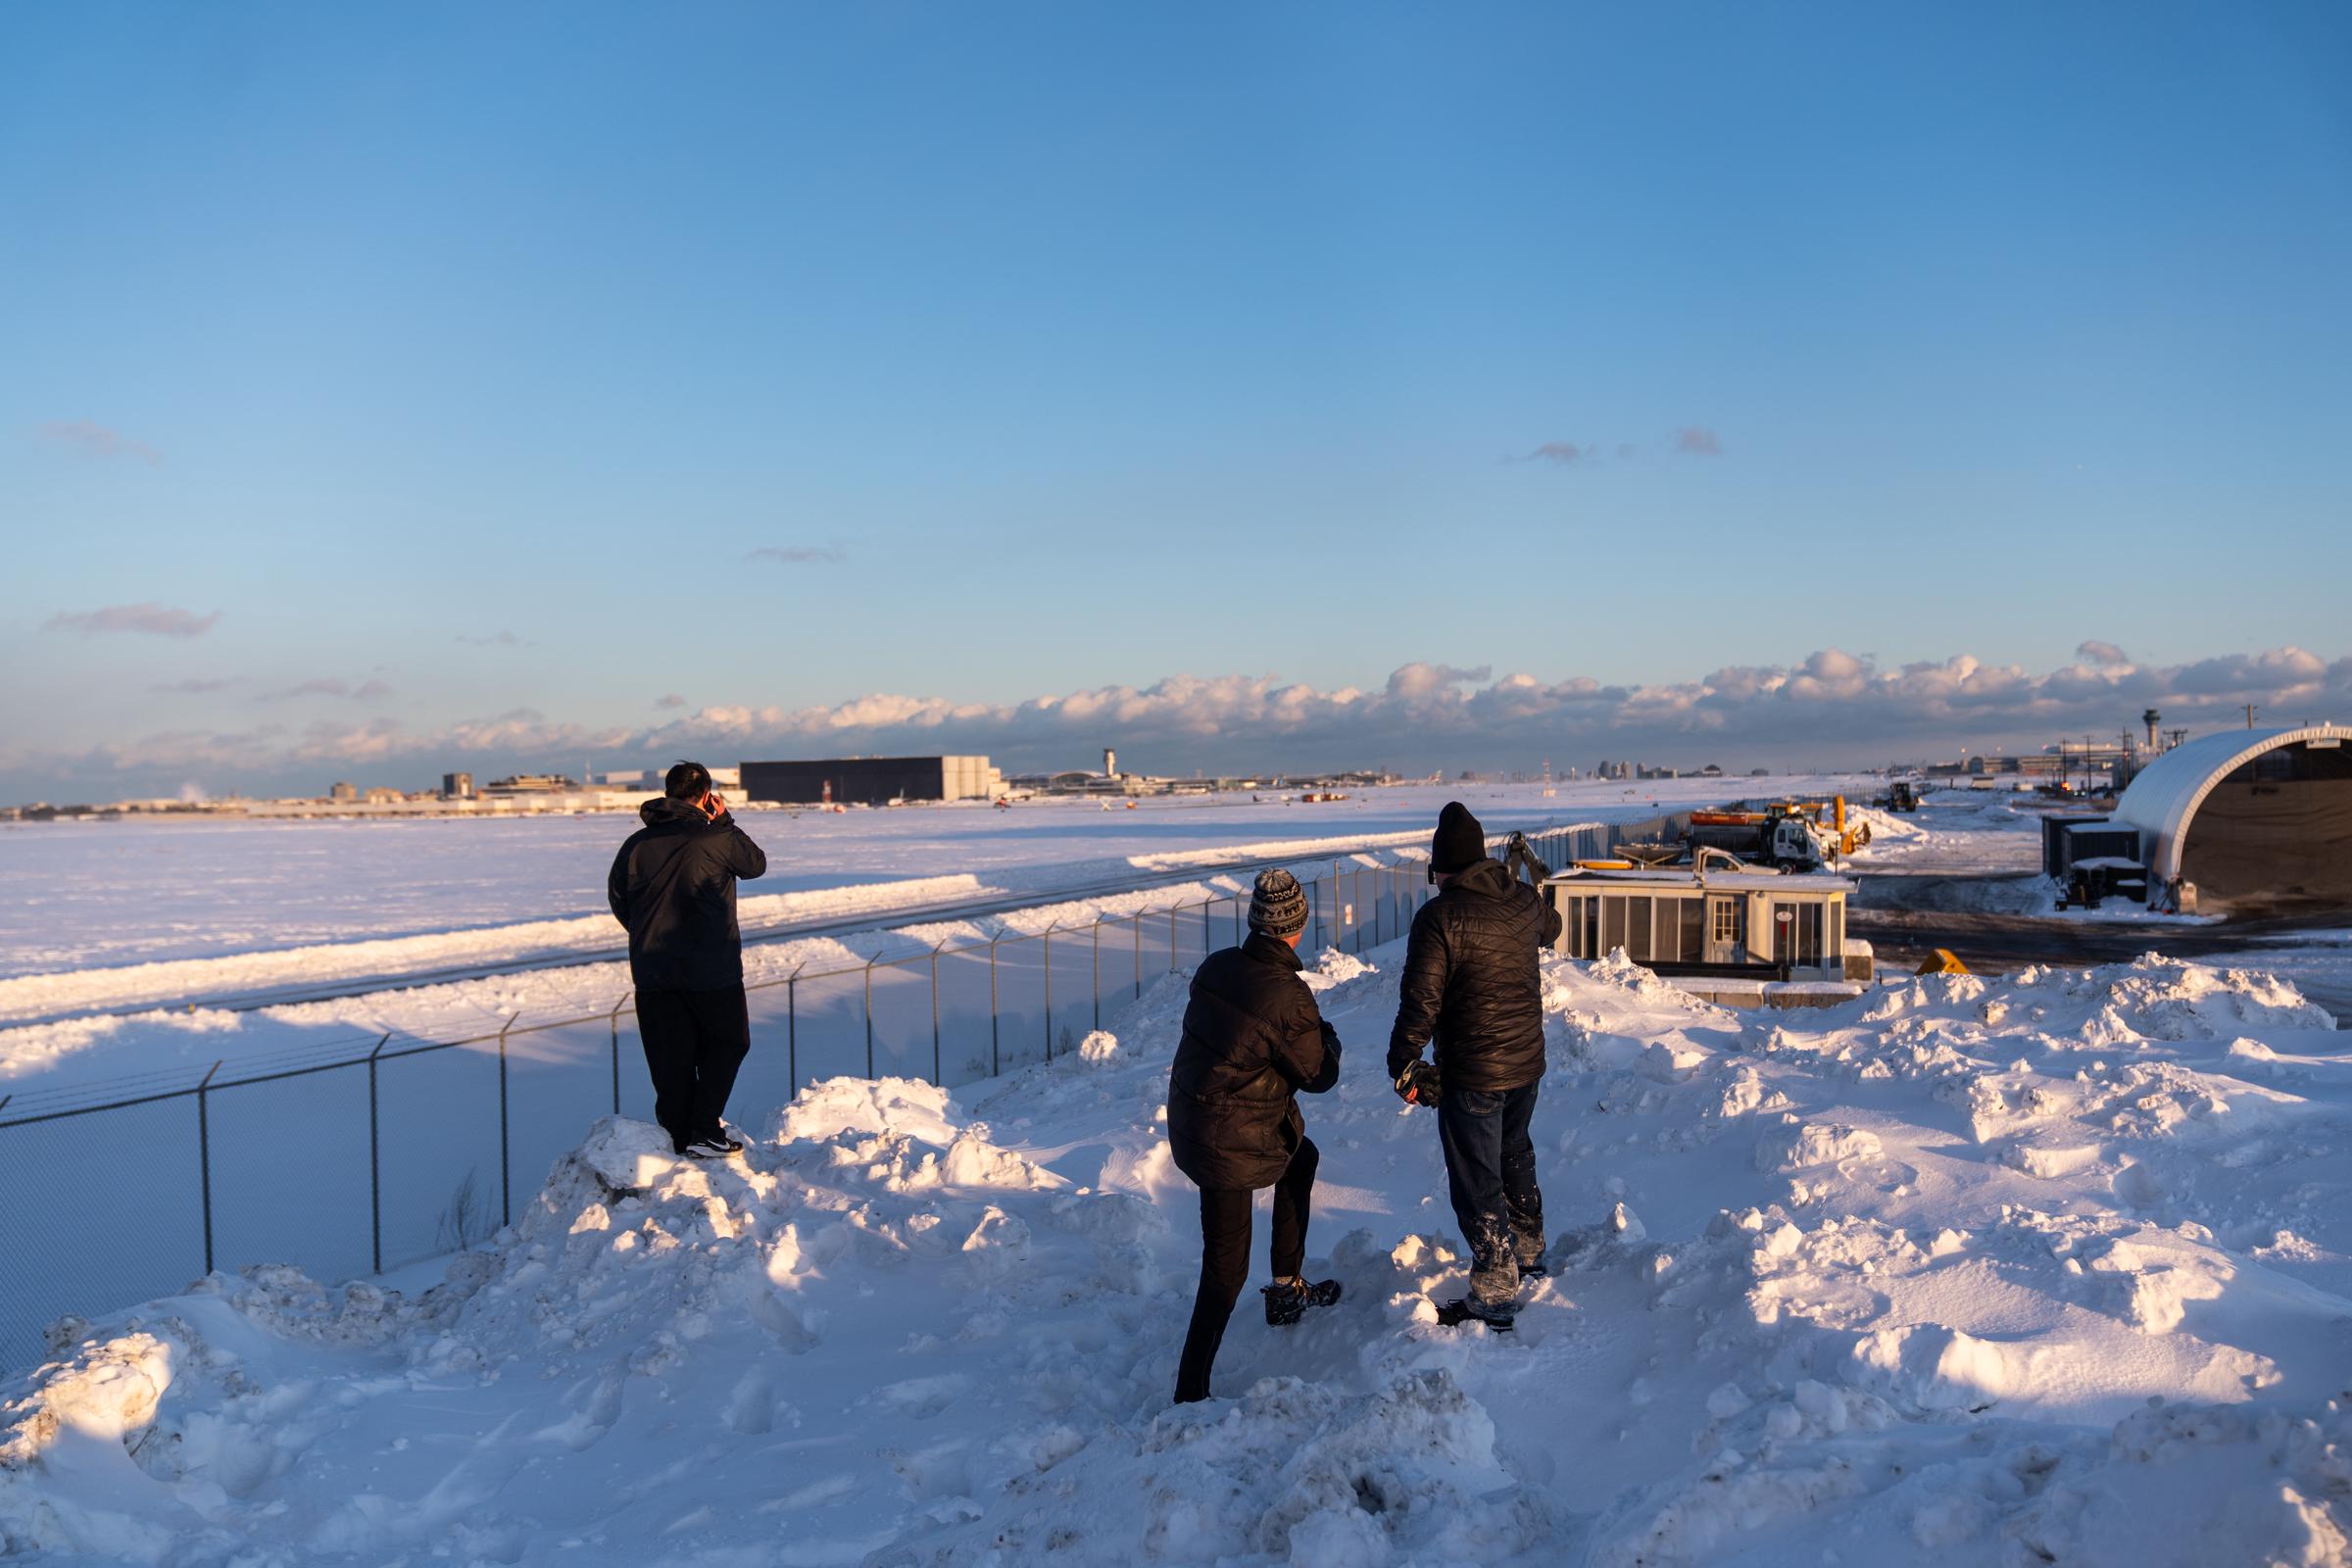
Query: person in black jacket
{"points": [[1471, 984], [1254, 1039], [672, 887]]}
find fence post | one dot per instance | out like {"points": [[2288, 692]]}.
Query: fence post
{"points": [[936, 1077], [792, 1027], [1049, 991], [204, 1158], [996, 1029], [1171, 939], [1139, 954], [506, 1165], [617, 1006], [1098, 987], [376, 1173], [869, 1017]]}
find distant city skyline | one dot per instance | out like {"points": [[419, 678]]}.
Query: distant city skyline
{"points": [[394, 390]]}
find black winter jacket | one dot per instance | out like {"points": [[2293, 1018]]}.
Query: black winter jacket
{"points": [[1254, 1038], [672, 887], [1471, 982]]}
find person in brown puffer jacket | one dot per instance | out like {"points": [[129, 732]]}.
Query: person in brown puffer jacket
{"points": [[1254, 1040], [1472, 984]]}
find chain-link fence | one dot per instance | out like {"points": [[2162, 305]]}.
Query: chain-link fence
{"points": [[363, 1163]]}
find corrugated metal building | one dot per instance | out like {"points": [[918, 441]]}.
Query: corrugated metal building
{"points": [[2246, 816]]}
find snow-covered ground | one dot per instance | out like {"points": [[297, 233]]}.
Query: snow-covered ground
{"points": [[1982, 833], [390, 880], [100, 894], [2053, 1270], [1982, 848]]}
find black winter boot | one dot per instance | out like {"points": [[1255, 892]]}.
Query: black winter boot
{"points": [[1453, 1314], [1287, 1300]]}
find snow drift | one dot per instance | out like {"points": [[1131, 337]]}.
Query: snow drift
{"points": [[2050, 1270]]}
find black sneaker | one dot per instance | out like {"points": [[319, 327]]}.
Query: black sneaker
{"points": [[1287, 1300], [1453, 1314], [1536, 1270], [708, 1147], [726, 1136]]}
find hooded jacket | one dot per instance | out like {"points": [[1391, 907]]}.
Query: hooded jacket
{"points": [[672, 888], [1254, 1039], [1471, 981]]}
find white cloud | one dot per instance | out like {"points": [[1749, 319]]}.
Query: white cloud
{"points": [[98, 441], [1831, 706], [150, 619], [800, 555]]}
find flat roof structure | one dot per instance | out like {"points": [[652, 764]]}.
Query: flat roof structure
{"points": [[1723, 921]]}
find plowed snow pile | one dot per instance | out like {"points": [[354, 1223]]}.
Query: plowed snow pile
{"points": [[2055, 1270]]}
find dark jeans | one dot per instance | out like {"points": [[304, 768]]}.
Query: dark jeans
{"points": [[695, 1041], [1491, 1175], [1225, 1260]]}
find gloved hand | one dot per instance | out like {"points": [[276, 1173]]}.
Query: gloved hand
{"points": [[1418, 1084]]}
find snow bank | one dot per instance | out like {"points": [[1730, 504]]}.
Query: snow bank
{"points": [[2057, 1269]]}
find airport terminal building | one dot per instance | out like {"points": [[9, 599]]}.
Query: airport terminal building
{"points": [[872, 780]]}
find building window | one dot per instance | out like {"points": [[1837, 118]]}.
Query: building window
{"points": [[1726, 921], [1637, 930], [1798, 937]]}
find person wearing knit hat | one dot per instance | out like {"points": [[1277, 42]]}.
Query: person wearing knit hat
{"points": [[1471, 989], [1458, 844], [1253, 1041], [1278, 905]]}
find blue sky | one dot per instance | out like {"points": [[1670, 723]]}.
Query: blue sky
{"points": [[463, 362]]}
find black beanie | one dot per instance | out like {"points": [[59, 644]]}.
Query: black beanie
{"points": [[1460, 843]]}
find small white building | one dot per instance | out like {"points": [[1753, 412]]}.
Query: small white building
{"points": [[1720, 920]]}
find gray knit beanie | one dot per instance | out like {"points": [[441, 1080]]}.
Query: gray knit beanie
{"points": [[1278, 903]]}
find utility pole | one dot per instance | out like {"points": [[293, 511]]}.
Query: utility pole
{"points": [[2251, 710]]}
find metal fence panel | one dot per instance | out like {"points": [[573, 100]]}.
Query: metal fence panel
{"points": [[1070, 957], [438, 1163], [1231, 916], [1021, 1037], [559, 1080], [967, 1020], [830, 1024], [767, 1077], [1123, 968], [68, 1243], [291, 1172], [904, 1038]]}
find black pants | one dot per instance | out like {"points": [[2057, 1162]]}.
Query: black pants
{"points": [[1225, 1260], [695, 1041], [1491, 1175]]}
